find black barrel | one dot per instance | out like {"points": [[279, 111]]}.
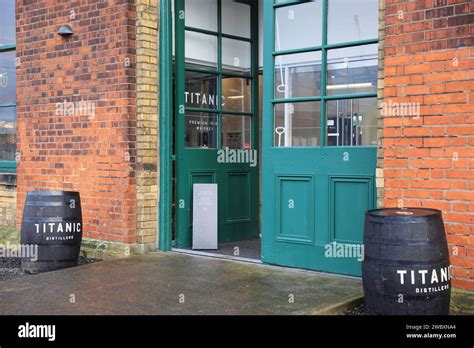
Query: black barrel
{"points": [[53, 221], [406, 268]]}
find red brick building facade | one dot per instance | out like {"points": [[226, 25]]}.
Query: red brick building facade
{"points": [[87, 114]]}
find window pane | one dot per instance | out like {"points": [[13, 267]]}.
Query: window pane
{"points": [[7, 134], [235, 18], [236, 93], [7, 23], [352, 70], [201, 90], [201, 130], [200, 49], [201, 14], [297, 124], [298, 75], [350, 20], [352, 122], [236, 132], [7, 78], [236, 55], [298, 26]]}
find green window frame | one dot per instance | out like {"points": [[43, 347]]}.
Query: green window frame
{"points": [[323, 48], [7, 166]]}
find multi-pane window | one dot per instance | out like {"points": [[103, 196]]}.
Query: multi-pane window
{"points": [[325, 62], [7, 86], [219, 78]]}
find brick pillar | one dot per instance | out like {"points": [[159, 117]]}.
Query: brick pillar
{"points": [[380, 99], [428, 135], [147, 121]]}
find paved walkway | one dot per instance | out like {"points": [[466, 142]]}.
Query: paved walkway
{"points": [[170, 283]]}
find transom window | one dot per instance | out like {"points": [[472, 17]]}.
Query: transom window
{"points": [[7, 87], [325, 66]]}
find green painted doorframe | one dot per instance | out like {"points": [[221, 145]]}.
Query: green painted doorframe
{"points": [[165, 124], [166, 114]]}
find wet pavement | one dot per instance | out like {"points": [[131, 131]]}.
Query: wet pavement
{"points": [[10, 268], [173, 284]]}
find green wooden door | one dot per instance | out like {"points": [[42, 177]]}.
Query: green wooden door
{"points": [[216, 130], [319, 132]]}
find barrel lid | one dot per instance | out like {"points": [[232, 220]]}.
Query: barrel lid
{"points": [[401, 212], [50, 193]]}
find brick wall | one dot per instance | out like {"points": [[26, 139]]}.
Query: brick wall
{"points": [[429, 158], [89, 147]]}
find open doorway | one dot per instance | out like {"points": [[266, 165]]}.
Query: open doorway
{"points": [[217, 117], [318, 150]]}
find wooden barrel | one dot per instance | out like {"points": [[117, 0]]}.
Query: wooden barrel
{"points": [[406, 268], [53, 221]]}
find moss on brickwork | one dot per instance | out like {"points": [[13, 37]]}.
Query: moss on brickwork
{"points": [[92, 248], [7, 202], [106, 250], [462, 302], [9, 234]]}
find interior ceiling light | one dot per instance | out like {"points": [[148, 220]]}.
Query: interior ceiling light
{"points": [[353, 85]]}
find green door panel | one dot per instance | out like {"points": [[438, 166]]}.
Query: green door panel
{"points": [[295, 202], [237, 195], [329, 206], [350, 198], [315, 189]]}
